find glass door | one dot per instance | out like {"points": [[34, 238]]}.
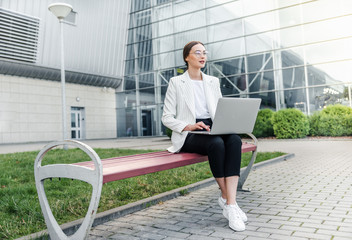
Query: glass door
{"points": [[77, 122], [147, 126]]}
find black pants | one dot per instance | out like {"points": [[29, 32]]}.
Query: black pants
{"points": [[223, 151]]}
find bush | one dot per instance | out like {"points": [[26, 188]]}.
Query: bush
{"points": [[290, 123], [168, 132], [263, 126], [335, 120], [337, 110], [314, 124]]}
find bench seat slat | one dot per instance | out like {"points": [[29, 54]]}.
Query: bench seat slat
{"points": [[128, 158], [248, 147], [134, 165], [133, 169]]}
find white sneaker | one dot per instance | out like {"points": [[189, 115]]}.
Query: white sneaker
{"points": [[239, 210], [235, 221], [222, 202], [241, 213]]}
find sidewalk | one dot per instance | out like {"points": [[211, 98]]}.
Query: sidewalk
{"points": [[306, 197], [133, 143]]}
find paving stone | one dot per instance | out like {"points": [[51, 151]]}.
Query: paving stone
{"points": [[335, 233], [281, 218], [202, 237], [197, 231], [308, 220], [327, 218], [346, 229], [94, 238], [104, 227], [237, 237], [141, 228], [265, 225], [341, 238], [100, 233], [200, 213], [298, 229], [120, 236], [153, 236], [169, 227], [174, 234], [228, 235], [118, 223], [348, 220], [187, 224], [125, 231], [253, 234], [275, 231], [285, 237], [172, 238], [291, 214], [254, 238], [320, 226], [312, 235]]}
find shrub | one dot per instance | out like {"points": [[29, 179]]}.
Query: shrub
{"points": [[337, 110], [314, 124], [335, 120], [168, 132], [263, 126], [290, 123]]}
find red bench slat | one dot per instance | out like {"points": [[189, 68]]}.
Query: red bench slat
{"points": [[248, 147], [140, 164]]}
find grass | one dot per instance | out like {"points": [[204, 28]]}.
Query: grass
{"points": [[20, 210]]}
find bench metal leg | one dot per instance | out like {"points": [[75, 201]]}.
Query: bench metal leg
{"points": [[93, 177], [246, 172]]}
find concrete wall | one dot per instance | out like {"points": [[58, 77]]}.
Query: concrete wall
{"points": [[30, 110]]}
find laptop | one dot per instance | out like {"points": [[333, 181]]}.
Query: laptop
{"points": [[234, 115]]}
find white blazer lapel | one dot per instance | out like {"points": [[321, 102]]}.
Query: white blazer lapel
{"points": [[187, 92]]}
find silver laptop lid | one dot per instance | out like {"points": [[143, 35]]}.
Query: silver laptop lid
{"points": [[235, 115]]}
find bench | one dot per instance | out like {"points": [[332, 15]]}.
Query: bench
{"points": [[97, 172]]}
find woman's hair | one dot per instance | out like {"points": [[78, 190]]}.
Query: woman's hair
{"points": [[187, 48]]}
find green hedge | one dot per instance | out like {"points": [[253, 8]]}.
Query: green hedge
{"points": [[263, 126], [168, 132], [334, 120], [290, 123]]}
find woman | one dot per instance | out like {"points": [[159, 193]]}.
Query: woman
{"points": [[190, 104]]}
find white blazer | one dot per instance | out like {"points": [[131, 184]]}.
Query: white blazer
{"points": [[179, 108]]}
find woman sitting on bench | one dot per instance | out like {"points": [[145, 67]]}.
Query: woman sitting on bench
{"points": [[190, 104]]}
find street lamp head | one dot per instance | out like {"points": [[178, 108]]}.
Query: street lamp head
{"points": [[60, 10]]}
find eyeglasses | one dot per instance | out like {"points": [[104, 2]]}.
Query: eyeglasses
{"points": [[199, 53]]}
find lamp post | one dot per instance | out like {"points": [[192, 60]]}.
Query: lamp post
{"points": [[61, 10]]}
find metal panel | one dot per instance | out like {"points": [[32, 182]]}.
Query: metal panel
{"points": [[95, 45]]}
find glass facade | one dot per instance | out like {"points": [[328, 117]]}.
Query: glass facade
{"points": [[289, 53]]}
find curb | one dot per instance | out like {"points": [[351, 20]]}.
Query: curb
{"points": [[100, 218]]}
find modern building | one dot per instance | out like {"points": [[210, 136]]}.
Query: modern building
{"points": [[95, 35], [120, 56]]}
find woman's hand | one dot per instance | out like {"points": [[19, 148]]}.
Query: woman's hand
{"points": [[197, 126]]}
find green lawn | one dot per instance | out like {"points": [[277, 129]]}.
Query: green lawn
{"points": [[20, 211]]}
